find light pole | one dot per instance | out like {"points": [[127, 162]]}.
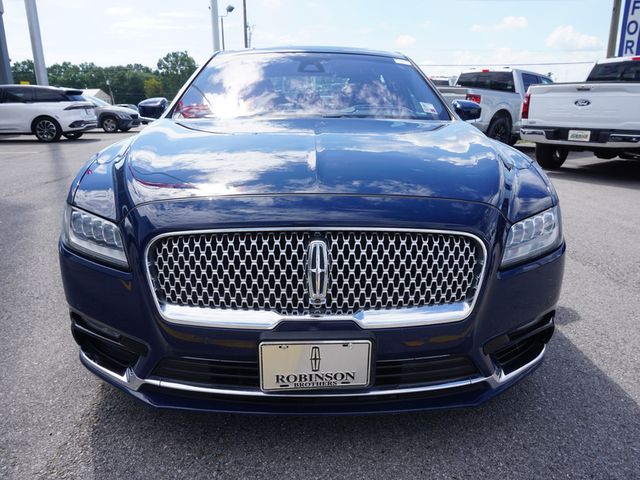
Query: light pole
{"points": [[613, 29], [214, 25], [5, 64], [36, 42], [245, 27], [229, 9]]}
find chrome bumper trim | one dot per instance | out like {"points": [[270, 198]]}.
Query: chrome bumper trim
{"points": [[132, 382], [405, 317]]}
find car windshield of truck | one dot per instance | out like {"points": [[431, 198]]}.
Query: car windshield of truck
{"points": [[501, 81], [616, 72], [310, 84]]}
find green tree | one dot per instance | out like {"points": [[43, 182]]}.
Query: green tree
{"points": [[153, 87], [129, 83], [174, 69], [23, 72]]}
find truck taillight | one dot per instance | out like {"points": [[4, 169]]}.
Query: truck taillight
{"points": [[525, 106], [473, 97], [635, 59]]}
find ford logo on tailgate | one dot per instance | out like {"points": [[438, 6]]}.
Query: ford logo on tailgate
{"points": [[582, 102]]}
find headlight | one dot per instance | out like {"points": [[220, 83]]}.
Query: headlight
{"points": [[93, 236], [533, 236], [123, 115]]}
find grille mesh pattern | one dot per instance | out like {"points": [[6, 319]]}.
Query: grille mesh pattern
{"points": [[266, 270]]}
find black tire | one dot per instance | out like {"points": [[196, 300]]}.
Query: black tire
{"points": [[551, 156], [125, 129], [109, 124], [72, 135], [500, 129], [46, 129]]}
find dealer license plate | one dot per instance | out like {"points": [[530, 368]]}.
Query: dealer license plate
{"points": [[321, 365], [579, 135]]}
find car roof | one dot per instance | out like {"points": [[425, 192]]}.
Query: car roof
{"points": [[314, 49]]}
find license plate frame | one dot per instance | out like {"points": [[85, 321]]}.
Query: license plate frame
{"points": [[290, 366], [579, 135]]}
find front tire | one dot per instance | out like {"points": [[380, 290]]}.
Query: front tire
{"points": [[72, 135], [46, 129], [500, 129], [551, 156], [109, 124]]}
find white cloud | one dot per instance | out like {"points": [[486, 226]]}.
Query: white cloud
{"points": [[405, 41], [507, 23], [567, 38], [119, 11]]}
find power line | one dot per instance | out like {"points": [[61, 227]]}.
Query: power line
{"points": [[500, 64]]}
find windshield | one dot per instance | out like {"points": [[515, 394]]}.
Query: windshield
{"points": [[310, 84], [97, 102], [86, 98]]}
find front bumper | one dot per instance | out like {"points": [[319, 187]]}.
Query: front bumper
{"points": [[461, 393], [82, 125], [124, 123], [515, 311]]}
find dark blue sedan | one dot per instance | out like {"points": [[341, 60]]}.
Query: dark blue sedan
{"points": [[312, 231]]}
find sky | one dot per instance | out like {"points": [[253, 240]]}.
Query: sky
{"points": [[443, 36]]}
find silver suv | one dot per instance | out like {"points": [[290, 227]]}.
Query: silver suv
{"points": [[112, 118]]}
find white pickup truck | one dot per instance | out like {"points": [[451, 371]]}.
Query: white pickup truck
{"points": [[601, 115], [500, 92]]}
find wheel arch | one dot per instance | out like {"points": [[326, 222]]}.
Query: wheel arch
{"points": [[502, 113], [41, 117]]}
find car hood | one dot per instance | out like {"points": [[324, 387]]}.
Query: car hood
{"points": [[306, 156]]}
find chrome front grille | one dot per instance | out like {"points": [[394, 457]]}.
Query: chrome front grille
{"points": [[267, 270]]}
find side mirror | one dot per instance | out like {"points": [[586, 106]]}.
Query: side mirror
{"points": [[466, 109]]}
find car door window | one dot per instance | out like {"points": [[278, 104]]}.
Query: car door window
{"points": [[49, 95], [528, 80], [18, 95], [545, 80]]}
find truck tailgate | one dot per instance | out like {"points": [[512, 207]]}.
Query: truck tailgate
{"points": [[586, 105]]}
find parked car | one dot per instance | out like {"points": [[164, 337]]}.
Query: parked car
{"points": [[152, 108], [46, 112], [599, 115], [500, 93], [112, 118], [264, 248]]}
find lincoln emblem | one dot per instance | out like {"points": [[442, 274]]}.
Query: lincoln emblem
{"points": [[317, 272], [315, 359]]}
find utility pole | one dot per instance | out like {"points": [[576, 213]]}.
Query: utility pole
{"points": [[36, 42], [5, 65], [214, 25], [613, 29], [244, 24]]}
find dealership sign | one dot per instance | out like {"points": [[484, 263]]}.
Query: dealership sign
{"points": [[630, 34]]}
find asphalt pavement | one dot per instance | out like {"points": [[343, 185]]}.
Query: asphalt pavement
{"points": [[577, 416]]}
